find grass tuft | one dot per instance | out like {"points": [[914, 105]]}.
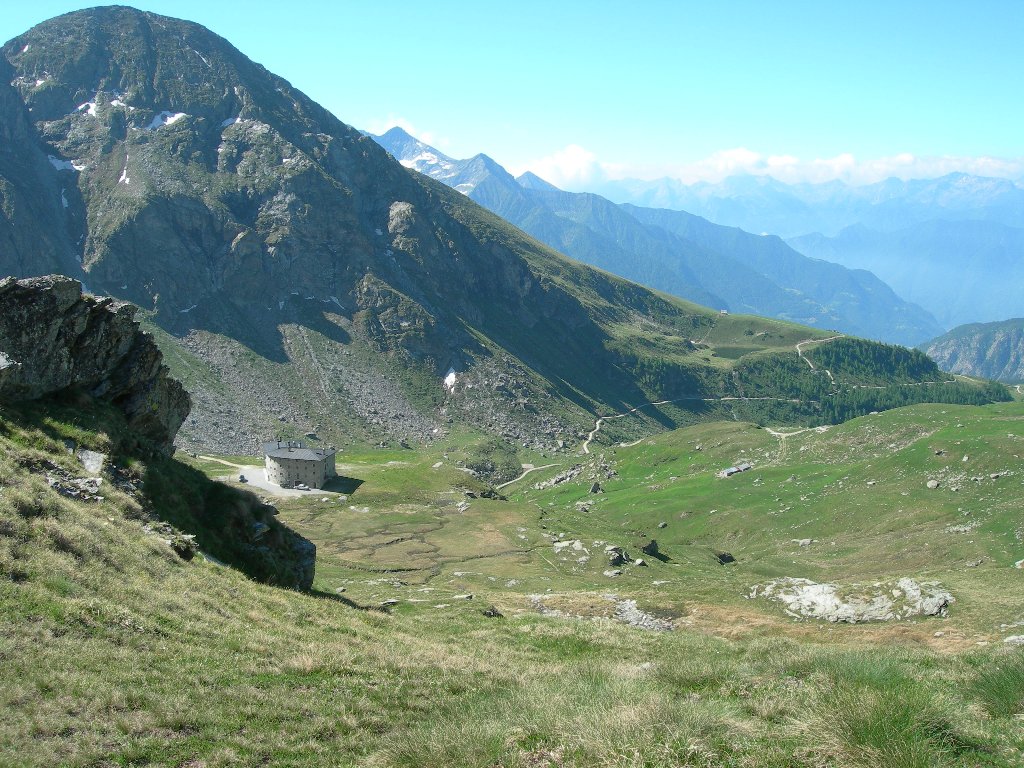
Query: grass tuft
{"points": [[999, 686]]}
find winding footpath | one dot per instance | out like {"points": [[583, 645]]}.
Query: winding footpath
{"points": [[800, 352], [527, 469], [585, 448], [600, 422]]}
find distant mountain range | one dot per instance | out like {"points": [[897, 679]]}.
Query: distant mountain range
{"points": [[962, 271], [988, 350], [676, 252], [764, 204], [301, 281], [953, 245]]}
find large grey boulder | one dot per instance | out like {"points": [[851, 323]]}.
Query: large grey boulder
{"points": [[856, 603], [53, 339]]}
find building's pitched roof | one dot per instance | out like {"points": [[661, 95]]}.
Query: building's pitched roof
{"points": [[294, 450]]}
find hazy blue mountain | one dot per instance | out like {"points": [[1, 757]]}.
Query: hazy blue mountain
{"points": [[989, 350], [856, 295], [680, 254], [961, 271], [764, 204]]}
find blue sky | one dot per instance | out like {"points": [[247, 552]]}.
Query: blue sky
{"points": [[582, 90]]}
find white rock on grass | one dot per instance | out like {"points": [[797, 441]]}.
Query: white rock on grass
{"points": [[856, 603], [1014, 640], [92, 460], [575, 544]]}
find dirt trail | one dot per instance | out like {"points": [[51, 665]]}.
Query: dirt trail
{"points": [[585, 448], [228, 463], [600, 422], [527, 469], [799, 350], [315, 362]]}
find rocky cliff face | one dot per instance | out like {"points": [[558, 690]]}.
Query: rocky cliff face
{"points": [[988, 350], [53, 338]]}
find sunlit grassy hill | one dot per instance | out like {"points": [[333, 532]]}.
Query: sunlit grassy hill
{"points": [[114, 650]]}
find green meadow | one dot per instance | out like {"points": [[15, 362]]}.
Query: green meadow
{"points": [[446, 628]]}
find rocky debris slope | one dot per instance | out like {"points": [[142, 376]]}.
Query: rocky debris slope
{"points": [[53, 338], [886, 601]]}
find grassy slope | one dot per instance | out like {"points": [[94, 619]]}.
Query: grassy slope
{"points": [[115, 652]]}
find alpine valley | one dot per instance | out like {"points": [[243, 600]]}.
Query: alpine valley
{"points": [[570, 521]]}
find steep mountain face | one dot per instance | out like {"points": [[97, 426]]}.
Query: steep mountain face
{"points": [[675, 252], [988, 350], [36, 223], [764, 204], [300, 280], [961, 271], [234, 209]]}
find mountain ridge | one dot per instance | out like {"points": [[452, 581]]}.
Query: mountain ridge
{"points": [[763, 203], [688, 257]]}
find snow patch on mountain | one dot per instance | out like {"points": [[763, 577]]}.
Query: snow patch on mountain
{"points": [[165, 118], [66, 165]]}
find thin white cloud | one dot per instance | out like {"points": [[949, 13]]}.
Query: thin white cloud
{"points": [[577, 168], [570, 168]]}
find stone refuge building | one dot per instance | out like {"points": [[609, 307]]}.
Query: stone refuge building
{"points": [[289, 463]]}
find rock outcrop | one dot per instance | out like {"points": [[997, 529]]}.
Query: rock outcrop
{"points": [[855, 603], [54, 339]]}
